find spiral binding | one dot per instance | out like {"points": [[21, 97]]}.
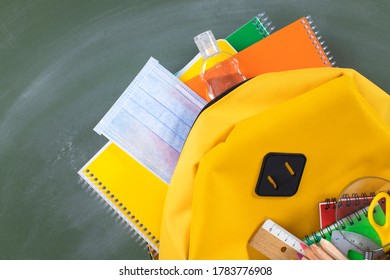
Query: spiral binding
{"points": [[263, 24], [319, 45], [113, 206], [330, 203], [338, 225], [353, 199]]}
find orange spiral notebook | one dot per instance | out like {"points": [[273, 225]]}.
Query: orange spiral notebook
{"points": [[295, 46]]}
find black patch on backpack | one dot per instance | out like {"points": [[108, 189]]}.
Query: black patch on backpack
{"points": [[280, 174]]}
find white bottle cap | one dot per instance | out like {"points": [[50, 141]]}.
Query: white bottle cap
{"points": [[207, 44]]}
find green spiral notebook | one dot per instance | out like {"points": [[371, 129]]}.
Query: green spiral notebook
{"points": [[357, 222], [253, 31]]}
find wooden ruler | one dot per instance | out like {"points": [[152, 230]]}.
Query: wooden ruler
{"points": [[276, 243]]}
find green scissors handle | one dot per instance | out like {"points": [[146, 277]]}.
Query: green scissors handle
{"points": [[382, 230]]}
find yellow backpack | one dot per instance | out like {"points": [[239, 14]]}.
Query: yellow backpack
{"points": [[331, 125]]}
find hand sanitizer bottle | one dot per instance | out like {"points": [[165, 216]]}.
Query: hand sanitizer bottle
{"points": [[220, 70]]}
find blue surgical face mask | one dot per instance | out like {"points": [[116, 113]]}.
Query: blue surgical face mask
{"points": [[152, 118]]}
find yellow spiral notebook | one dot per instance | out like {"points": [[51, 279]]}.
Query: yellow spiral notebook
{"points": [[114, 176]]}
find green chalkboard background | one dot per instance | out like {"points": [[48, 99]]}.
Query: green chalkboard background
{"points": [[64, 63]]}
